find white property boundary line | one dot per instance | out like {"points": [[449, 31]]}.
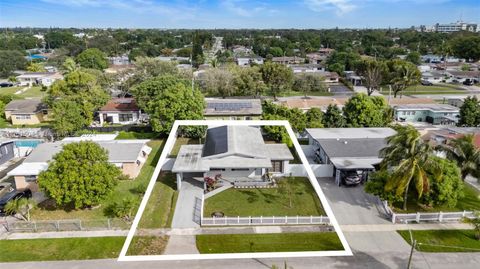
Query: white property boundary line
{"points": [[166, 150]]}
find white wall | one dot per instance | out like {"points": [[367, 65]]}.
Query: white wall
{"points": [[320, 170]]}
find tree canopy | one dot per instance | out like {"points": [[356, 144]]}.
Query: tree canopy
{"points": [[92, 58], [277, 77], [79, 175], [367, 111], [470, 112]]}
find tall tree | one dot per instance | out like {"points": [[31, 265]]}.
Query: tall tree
{"points": [[366, 111], [372, 72], [79, 175], [333, 117], [218, 82], [314, 118], [92, 58], [467, 47], [248, 81], [470, 112], [197, 50], [306, 83], [409, 156], [277, 77], [11, 60], [464, 152], [68, 117], [402, 74], [35, 67]]}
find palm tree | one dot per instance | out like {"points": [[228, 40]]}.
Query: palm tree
{"points": [[21, 206], [409, 156], [464, 152]]}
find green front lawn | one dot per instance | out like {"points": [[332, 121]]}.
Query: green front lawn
{"points": [[127, 188], [161, 204], [60, 249], [282, 242], [136, 135], [148, 245], [470, 202], [267, 202], [444, 240]]}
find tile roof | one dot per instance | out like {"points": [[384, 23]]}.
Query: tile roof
{"points": [[120, 104]]}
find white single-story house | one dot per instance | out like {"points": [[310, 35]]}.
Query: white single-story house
{"points": [[38, 78], [235, 154], [120, 111]]}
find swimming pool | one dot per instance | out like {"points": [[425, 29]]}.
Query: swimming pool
{"points": [[28, 143]]}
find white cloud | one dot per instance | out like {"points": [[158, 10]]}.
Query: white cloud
{"points": [[339, 6], [245, 8]]}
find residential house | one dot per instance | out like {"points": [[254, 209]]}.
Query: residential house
{"points": [[314, 102], [355, 79], [235, 154], [461, 76], [247, 61], [119, 60], [121, 111], [441, 136], [288, 60], [38, 78], [232, 109], [330, 77], [348, 149], [26, 112], [307, 68], [173, 58], [429, 113], [434, 76], [128, 155]]}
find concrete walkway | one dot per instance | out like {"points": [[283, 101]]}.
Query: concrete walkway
{"points": [[181, 244], [187, 211]]}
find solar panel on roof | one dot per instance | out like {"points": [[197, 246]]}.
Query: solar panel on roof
{"points": [[229, 106]]}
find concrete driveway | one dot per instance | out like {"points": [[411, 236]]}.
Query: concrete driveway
{"points": [[351, 205], [187, 210]]}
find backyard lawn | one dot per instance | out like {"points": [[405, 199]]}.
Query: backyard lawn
{"points": [[128, 188], [444, 240], [283, 242], [161, 205], [267, 202], [470, 202], [33, 92], [136, 135], [60, 249]]}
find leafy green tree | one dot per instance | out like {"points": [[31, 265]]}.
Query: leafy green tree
{"points": [[470, 112], [467, 47], [372, 72], [409, 156], [277, 77], [79, 175], [295, 116], [69, 66], [464, 152], [339, 61], [314, 118], [124, 209], [248, 81], [275, 51], [11, 60], [402, 74], [197, 50], [448, 188], [56, 39], [414, 57], [169, 98], [376, 186], [366, 111], [92, 58], [67, 117], [21, 206], [309, 83], [333, 117], [218, 82], [35, 67]]}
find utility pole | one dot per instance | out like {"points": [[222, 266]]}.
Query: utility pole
{"points": [[414, 244]]}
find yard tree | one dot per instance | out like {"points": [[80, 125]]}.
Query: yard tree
{"points": [[333, 117], [366, 111], [79, 175], [467, 47], [401, 74], [197, 50], [470, 112], [287, 189], [67, 117], [372, 72], [314, 117], [414, 57], [446, 189], [218, 82], [464, 152], [69, 66], [11, 60], [277, 77], [21, 206], [35, 67], [295, 116], [92, 58], [248, 81], [410, 158], [169, 98], [339, 61], [309, 83]]}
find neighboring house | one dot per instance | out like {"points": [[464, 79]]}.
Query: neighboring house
{"points": [[232, 109], [128, 155], [348, 149], [247, 61], [355, 79], [38, 78], [445, 135], [26, 112], [330, 77], [288, 60], [307, 68], [430, 113], [7, 151], [314, 102], [119, 60], [235, 154], [120, 111], [462, 76], [434, 76], [173, 58]]}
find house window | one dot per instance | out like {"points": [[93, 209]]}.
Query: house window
{"points": [[217, 169], [240, 169], [125, 117], [277, 166], [30, 178], [23, 117]]}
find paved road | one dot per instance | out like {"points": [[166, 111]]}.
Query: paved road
{"points": [[186, 215]]}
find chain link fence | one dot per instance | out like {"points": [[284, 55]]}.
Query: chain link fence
{"points": [[65, 225]]}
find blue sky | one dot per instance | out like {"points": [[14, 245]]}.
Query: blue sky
{"points": [[235, 13]]}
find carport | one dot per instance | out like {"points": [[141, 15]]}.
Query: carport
{"points": [[343, 165]]}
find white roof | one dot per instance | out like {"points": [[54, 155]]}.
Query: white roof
{"points": [[350, 133], [92, 137], [26, 169], [354, 163]]}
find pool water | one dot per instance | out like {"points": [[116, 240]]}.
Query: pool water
{"points": [[28, 143]]}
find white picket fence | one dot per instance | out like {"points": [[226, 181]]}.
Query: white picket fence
{"points": [[273, 220], [431, 217]]}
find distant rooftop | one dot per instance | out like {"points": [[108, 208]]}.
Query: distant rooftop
{"points": [[120, 104], [245, 107], [27, 106], [431, 107], [350, 133]]}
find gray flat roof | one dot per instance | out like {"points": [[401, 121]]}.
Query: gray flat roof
{"points": [[119, 151], [350, 133], [27, 106], [431, 107], [355, 163], [278, 152], [355, 148]]}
